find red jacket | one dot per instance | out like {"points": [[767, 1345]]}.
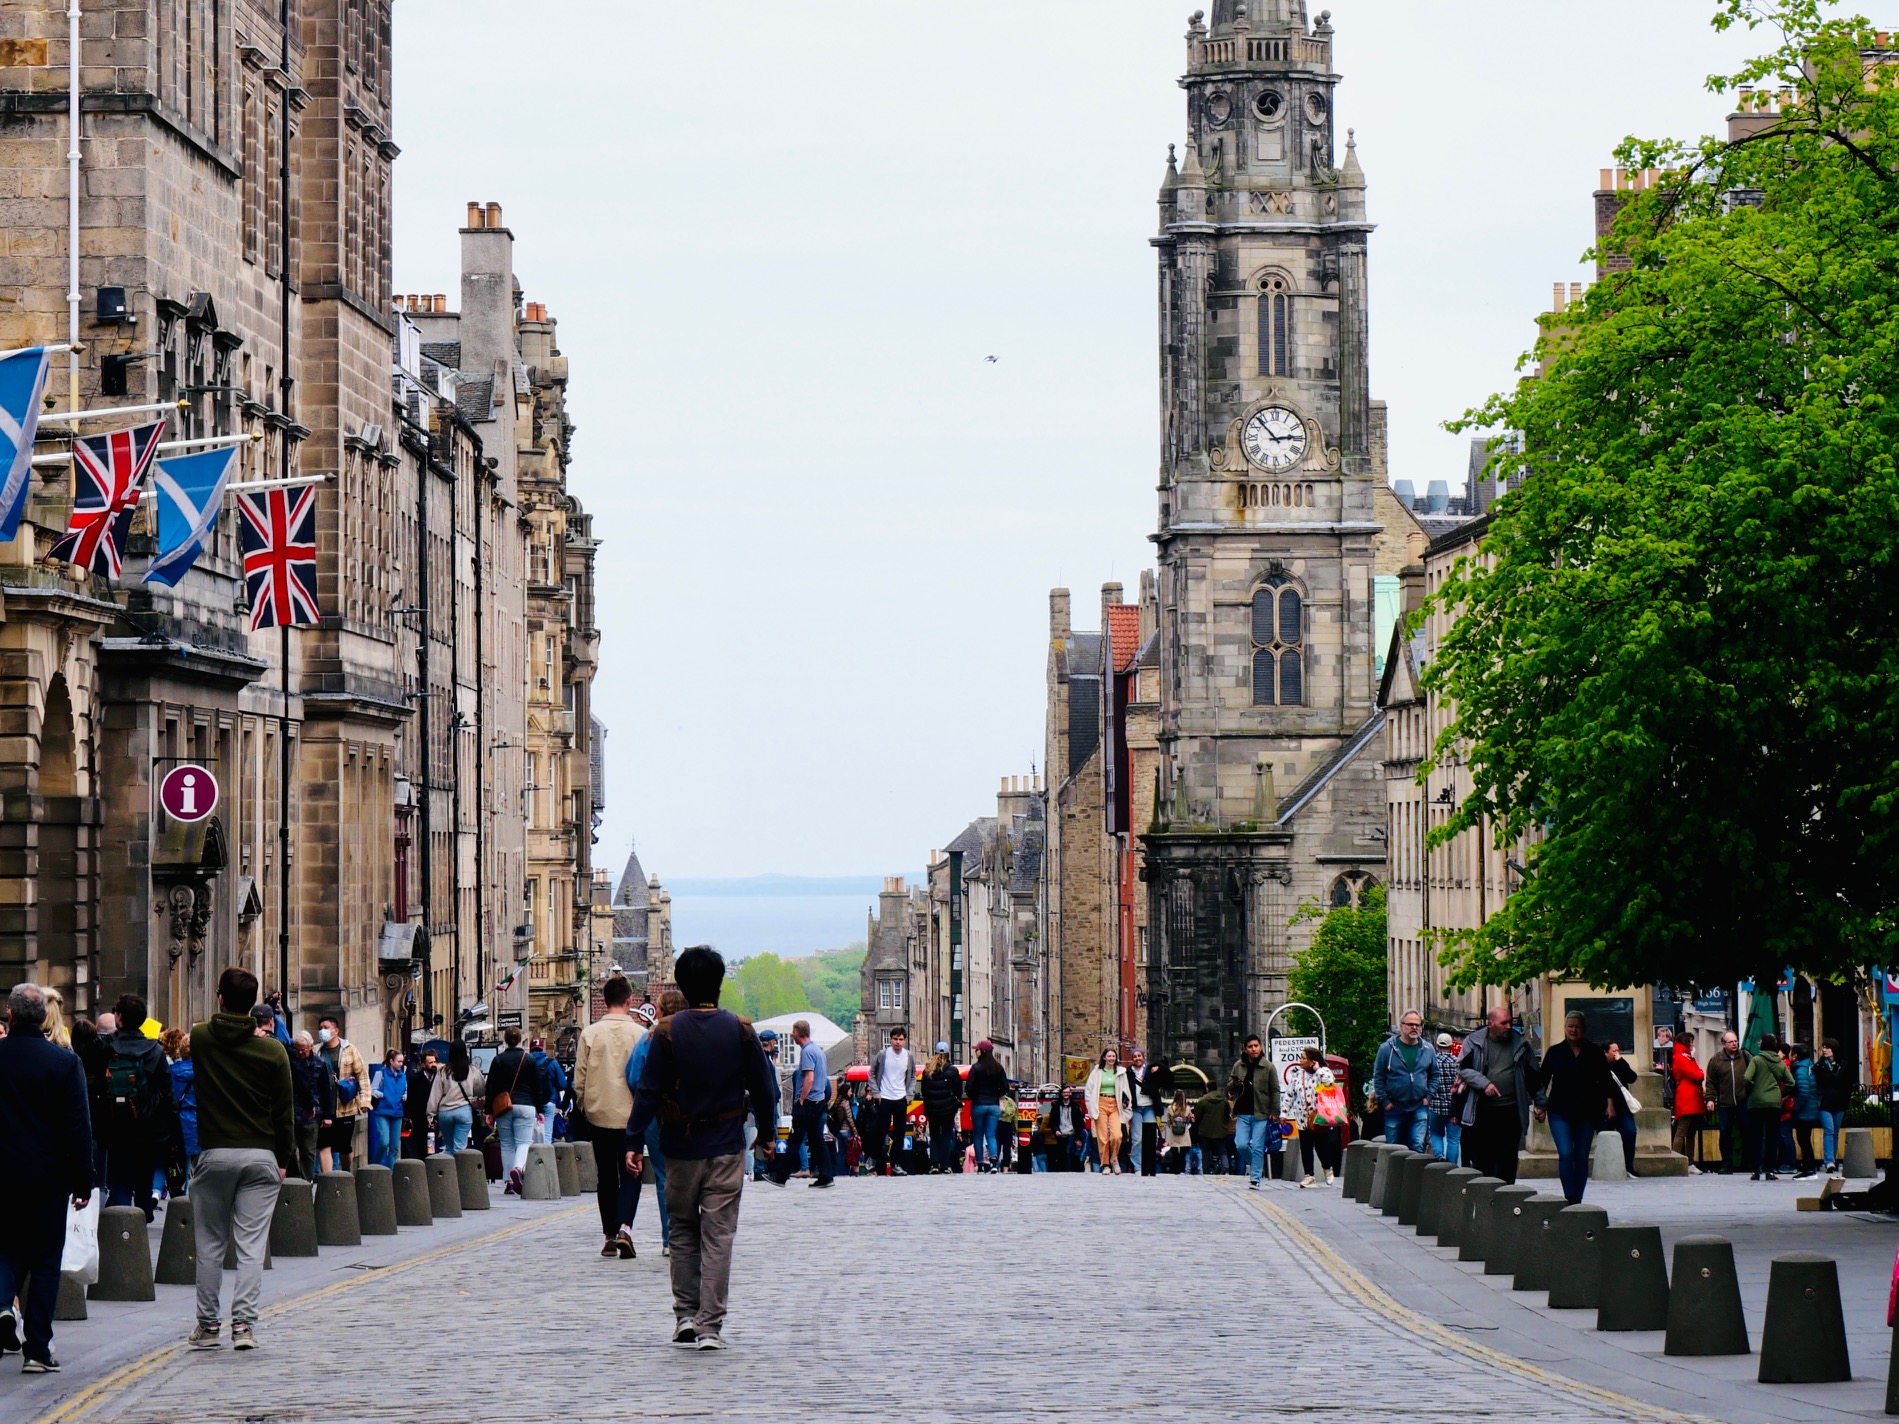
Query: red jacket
{"points": [[1688, 1076]]}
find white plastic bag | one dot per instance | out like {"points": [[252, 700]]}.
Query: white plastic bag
{"points": [[80, 1258]]}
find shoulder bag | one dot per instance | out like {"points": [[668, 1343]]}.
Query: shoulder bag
{"points": [[503, 1101]]}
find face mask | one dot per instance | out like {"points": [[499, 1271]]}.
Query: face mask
{"points": [[323, 1035]]}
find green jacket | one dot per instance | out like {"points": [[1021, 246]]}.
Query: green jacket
{"points": [[243, 1084], [1264, 1078], [1767, 1079]]}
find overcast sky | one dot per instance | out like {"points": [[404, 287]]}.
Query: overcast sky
{"points": [[781, 238]]}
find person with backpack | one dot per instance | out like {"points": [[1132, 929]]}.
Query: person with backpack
{"points": [[892, 1072], [247, 1130], [141, 1123], [704, 1074], [452, 1098], [338, 1141], [514, 1088]]}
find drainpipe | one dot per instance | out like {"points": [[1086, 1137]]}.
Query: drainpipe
{"points": [[72, 203]]}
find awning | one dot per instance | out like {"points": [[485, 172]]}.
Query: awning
{"points": [[401, 942]]}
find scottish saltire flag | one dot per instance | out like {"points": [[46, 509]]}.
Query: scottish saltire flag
{"points": [[108, 477], [190, 492], [22, 383], [279, 528]]}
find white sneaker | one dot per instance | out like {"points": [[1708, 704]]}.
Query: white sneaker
{"points": [[1307, 1180], [1328, 1176], [709, 1342]]}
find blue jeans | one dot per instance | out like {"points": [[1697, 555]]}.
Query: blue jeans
{"points": [[1406, 1126], [1830, 1125], [385, 1139], [452, 1126], [1574, 1136], [1132, 1127], [1249, 1141], [656, 1165], [984, 1119], [1446, 1134], [1191, 1166], [515, 1128]]}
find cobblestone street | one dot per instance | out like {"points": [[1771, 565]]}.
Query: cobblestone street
{"points": [[1052, 1297]]}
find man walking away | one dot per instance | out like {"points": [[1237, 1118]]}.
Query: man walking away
{"points": [[1253, 1093], [892, 1072], [1210, 1131], [703, 1071], [1401, 1081], [1723, 1085], [141, 1116], [313, 1091], [248, 1143], [810, 1086], [606, 1101], [45, 1162], [1500, 1084]]}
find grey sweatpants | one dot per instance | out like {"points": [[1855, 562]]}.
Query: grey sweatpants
{"points": [[233, 1195], [702, 1201]]}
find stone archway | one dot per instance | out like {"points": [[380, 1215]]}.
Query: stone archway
{"points": [[65, 861]]}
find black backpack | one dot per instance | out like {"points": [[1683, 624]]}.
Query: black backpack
{"points": [[136, 1097]]}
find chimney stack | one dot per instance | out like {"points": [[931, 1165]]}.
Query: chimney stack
{"points": [[1575, 294], [1058, 625]]}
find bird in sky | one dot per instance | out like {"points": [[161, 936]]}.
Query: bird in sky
{"points": [[990, 359]]}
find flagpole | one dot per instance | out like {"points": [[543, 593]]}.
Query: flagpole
{"points": [[52, 350], [294, 482], [72, 203], [203, 442], [107, 412]]}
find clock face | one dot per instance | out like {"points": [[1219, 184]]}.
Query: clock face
{"points": [[1274, 439]]}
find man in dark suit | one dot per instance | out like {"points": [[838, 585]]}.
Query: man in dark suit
{"points": [[45, 1161]]}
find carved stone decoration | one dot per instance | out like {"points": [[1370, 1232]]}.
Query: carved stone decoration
{"points": [[1271, 204], [182, 904]]}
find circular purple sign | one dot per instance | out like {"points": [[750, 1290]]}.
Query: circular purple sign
{"points": [[188, 793]]}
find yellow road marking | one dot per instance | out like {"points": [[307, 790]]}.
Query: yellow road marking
{"points": [[94, 1395], [1374, 1299]]}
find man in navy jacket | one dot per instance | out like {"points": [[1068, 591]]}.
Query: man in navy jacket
{"points": [[45, 1161]]}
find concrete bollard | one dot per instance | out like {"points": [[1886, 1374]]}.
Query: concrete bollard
{"points": [[1533, 1241], [178, 1246], [567, 1169], [588, 1166], [1357, 1159], [1856, 1156], [1576, 1257], [336, 1221], [1506, 1229], [1431, 1179], [471, 1175], [1632, 1286], [411, 1182], [71, 1304], [375, 1201], [541, 1181], [1473, 1234], [1606, 1163], [1381, 1174], [445, 1189], [1410, 1187], [1452, 1209], [1803, 1337], [1704, 1301], [293, 1224], [125, 1256], [1393, 1196]]}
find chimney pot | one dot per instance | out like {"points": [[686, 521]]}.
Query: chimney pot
{"points": [[494, 215], [1607, 178], [474, 215], [1575, 294], [441, 303], [1556, 296]]}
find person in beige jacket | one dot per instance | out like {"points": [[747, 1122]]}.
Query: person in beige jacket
{"points": [[603, 1098]]}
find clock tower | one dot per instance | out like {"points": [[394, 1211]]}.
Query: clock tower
{"points": [[1276, 536]]}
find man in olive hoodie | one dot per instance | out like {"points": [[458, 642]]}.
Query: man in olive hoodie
{"points": [[247, 1143]]}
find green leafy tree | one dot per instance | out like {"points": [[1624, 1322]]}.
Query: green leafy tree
{"points": [[831, 983], [1674, 669], [1342, 975], [771, 986]]}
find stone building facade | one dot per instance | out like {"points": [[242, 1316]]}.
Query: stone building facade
{"points": [[895, 959], [368, 853], [643, 929], [1274, 532]]}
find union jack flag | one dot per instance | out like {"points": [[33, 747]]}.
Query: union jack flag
{"points": [[108, 478], [279, 528]]}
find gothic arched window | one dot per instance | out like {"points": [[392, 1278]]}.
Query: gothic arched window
{"points": [[1350, 889], [1279, 662], [1275, 326]]}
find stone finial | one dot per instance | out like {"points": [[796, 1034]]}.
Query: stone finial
{"points": [[1350, 174]]}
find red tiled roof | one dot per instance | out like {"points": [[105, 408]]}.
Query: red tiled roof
{"points": [[1124, 635]]}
